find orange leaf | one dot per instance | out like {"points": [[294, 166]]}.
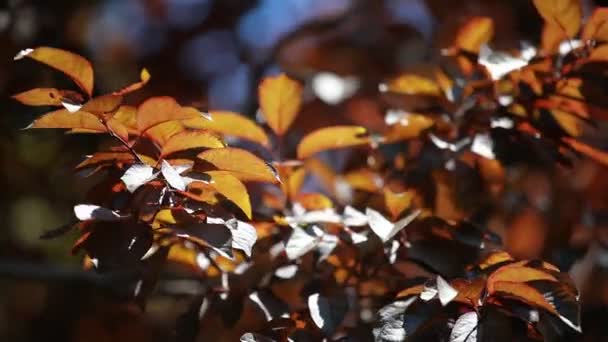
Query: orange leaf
{"points": [[190, 140], [240, 163], [570, 123], [597, 26], [332, 138], [144, 76], [599, 54], [280, 99], [118, 129], [76, 67], [591, 152], [157, 110], [519, 274], [524, 293], [411, 291], [476, 32], [47, 97], [229, 123], [62, 118], [494, 259], [102, 157], [231, 188]]}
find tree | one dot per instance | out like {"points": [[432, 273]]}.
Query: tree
{"points": [[392, 244]]}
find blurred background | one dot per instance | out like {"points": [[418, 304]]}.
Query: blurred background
{"points": [[212, 53]]}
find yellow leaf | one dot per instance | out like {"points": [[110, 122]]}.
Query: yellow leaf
{"points": [[409, 127], [144, 76], [396, 203], [231, 188], [190, 140], [127, 115], [242, 164], [74, 66], [292, 175], [414, 85], [364, 179], [332, 138], [232, 124], [280, 99]]}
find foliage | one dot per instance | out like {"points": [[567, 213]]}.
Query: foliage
{"points": [[388, 245]]}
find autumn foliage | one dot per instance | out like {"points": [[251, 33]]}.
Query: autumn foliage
{"points": [[390, 245]]}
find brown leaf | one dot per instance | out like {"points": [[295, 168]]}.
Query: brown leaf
{"points": [[190, 140], [240, 163], [106, 157], [332, 138], [62, 118], [232, 124], [74, 66], [280, 99]]}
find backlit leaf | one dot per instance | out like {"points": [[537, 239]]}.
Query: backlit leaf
{"points": [[62, 118], [517, 274], [231, 188], [565, 14], [525, 293], [589, 151], [190, 140], [74, 66], [396, 203], [412, 84], [161, 109], [231, 124], [597, 26], [280, 99], [475, 33], [332, 138], [242, 164], [144, 76], [47, 97]]}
